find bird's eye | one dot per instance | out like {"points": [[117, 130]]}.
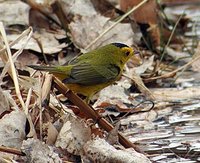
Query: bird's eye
{"points": [[127, 53]]}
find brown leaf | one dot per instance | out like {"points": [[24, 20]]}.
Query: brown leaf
{"points": [[146, 14], [4, 103], [196, 64], [38, 20], [51, 134], [104, 7], [37, 150]]}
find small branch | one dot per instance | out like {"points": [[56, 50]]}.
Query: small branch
{"points": [[170, 37], [28, 100], [58, 10], [173, 72], [12, 151]]}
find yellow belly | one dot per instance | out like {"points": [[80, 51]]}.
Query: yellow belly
{"points": [[88, 90]]}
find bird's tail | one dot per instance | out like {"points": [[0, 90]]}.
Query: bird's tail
{"points": [[51, 69]]}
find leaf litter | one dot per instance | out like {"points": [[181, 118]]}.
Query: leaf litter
{"points": [[167, 79]]}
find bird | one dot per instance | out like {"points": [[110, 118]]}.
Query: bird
{"points": [[90, 72]]}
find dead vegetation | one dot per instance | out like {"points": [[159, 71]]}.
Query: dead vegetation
{"points": [[150, 114]]}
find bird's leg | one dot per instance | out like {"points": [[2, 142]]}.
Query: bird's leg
{"points": [[87, 99]]}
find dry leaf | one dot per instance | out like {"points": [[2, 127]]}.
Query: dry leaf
{"points": [[140, 85], [48, 41], [142, 120], [114, 95], [179, 2], [24, 59], [52, 133], [104, 7], [99, 150], [73, 135], [177, 54], [174, 94], [77, 7], [4, 103], [146, 14], [12, 129], [14, 12], [196, 64], [84, 30], [147, 64], [113, 137], [37, 151], [152, 135]]}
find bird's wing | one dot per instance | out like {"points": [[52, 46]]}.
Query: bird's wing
{"points": [[86, 74]]}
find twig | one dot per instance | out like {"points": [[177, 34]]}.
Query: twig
{"points": [[173, 72], [40, 108], [13, 70], [170, 37], [12, 151], [118, 21], [38, 40], [28, 99], [58, 10]]}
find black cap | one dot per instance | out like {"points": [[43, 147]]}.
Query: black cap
{"points": [[120, 45]]}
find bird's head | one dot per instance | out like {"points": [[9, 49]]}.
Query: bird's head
{"points": [[126, 52]]}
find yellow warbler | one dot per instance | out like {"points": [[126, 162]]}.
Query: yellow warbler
{"points": [[90, 72]]}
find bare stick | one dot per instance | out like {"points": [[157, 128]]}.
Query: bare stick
{"points": [[28, 99], [13, 70], [170, 38], [11, 150], [175, 71]]}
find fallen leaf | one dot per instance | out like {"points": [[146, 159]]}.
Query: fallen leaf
{"points": [[14, 12], [174, 94], [117, 98], [73, 135], [37, 151], [4, 103], [76, 7], [146, 14], [12, 129], [98, 150], [48, 41], [147, 64], [196, 64], [84, 30], [52, 133]]}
